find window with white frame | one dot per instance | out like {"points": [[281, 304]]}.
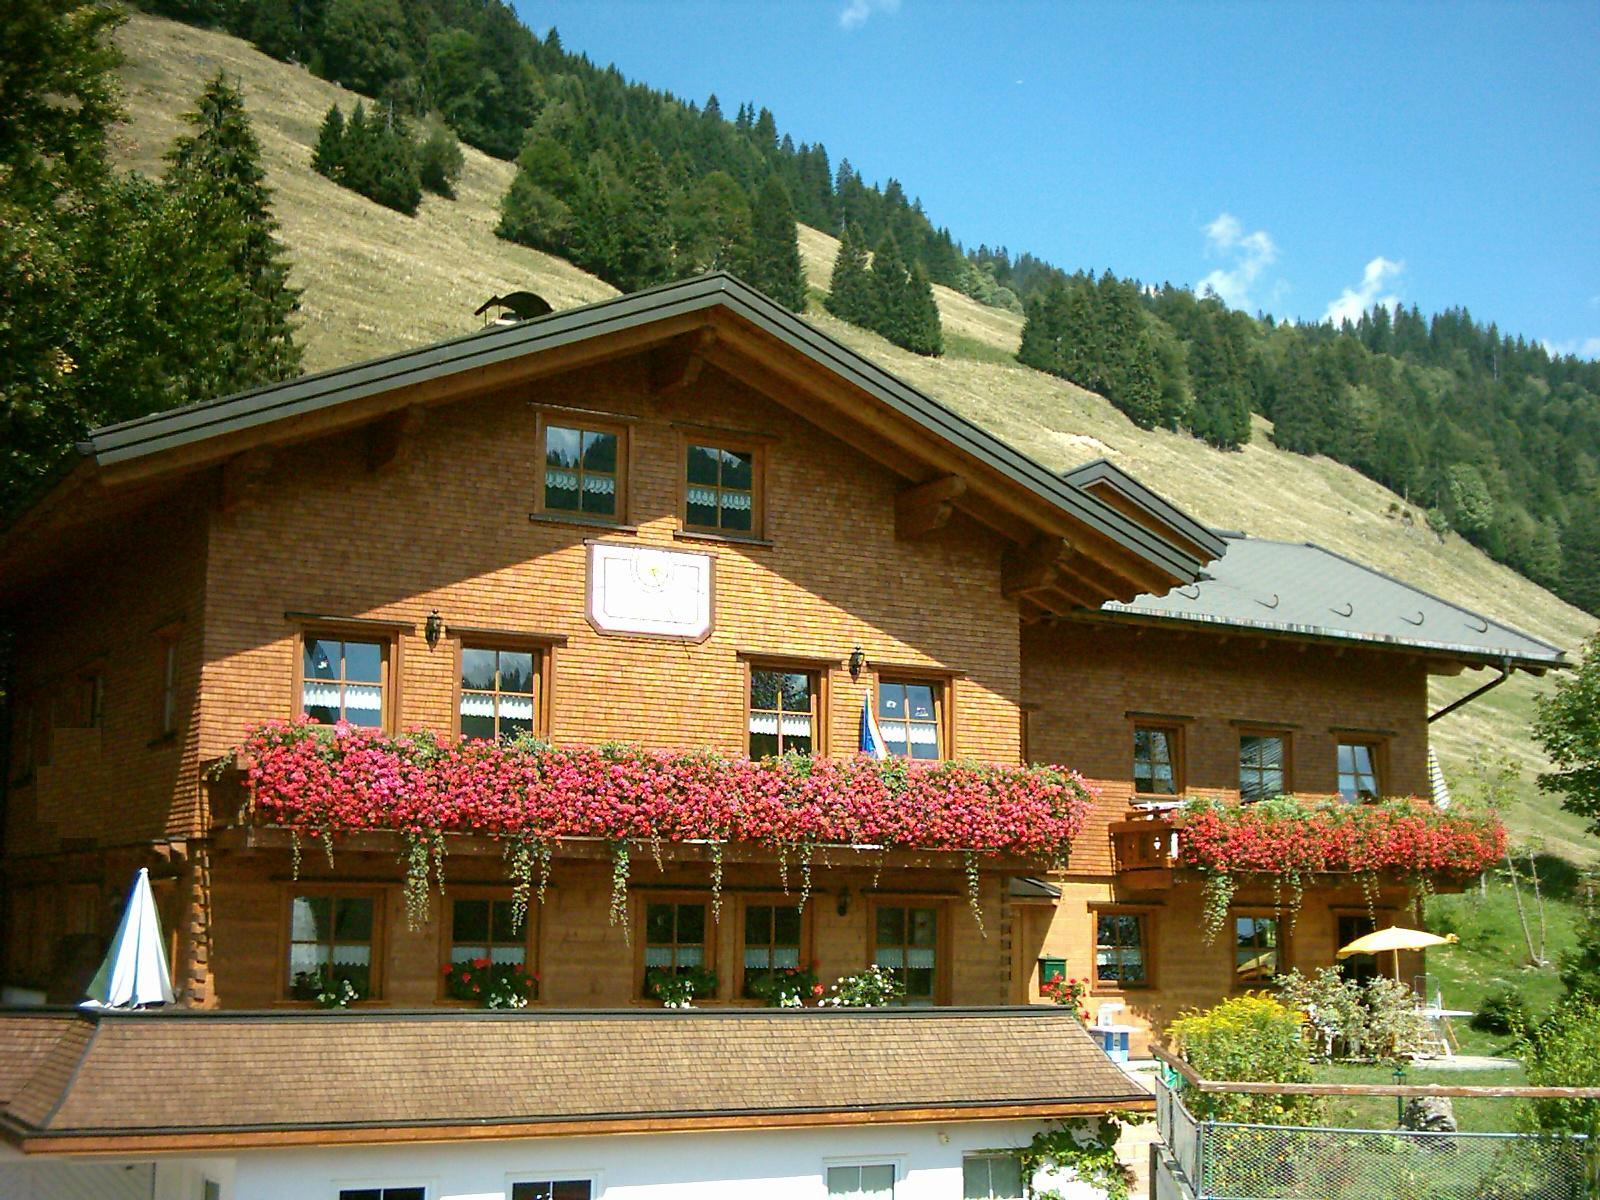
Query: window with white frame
{"points": [[552, 1189], [871, 1182], [991, 1177]]}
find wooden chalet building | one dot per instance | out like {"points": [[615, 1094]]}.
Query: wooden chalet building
{"points": [[687, 521]]}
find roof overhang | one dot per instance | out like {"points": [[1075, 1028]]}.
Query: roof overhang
{"points": [[1069, 548], [82, 1083]]}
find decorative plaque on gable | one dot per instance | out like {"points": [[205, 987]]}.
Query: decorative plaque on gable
{"points": [[650, 591]]}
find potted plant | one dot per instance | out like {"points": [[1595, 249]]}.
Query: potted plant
{"points": [[326, 988], [786, 987], [491, 984], [872, 988], [680, 988]]}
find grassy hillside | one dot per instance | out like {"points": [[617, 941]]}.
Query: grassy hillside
{"points": [[375, 281]]}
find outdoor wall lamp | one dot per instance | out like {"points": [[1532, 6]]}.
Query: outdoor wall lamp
{"points": [[844, 901], [857, 661], [433, 629]]}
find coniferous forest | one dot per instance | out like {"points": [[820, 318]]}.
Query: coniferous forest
{"points": [[1485, 433]]}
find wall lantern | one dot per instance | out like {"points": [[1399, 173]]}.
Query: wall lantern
{"points": [[433, 629], [844, 901], [857, 661]]}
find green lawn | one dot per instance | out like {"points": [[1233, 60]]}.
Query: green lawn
{"points": [[1493, 953], [1379, 1112]]}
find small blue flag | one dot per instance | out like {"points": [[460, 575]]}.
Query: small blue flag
{"points": [[871, 736]]}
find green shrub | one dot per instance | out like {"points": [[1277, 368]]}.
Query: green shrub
{"points": [[1580, 967], [1564, 1051], [1249, 1038], [1503, 1010]]}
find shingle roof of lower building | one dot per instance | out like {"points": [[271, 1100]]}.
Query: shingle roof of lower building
{"points": [[240, 1073], [1302, 588]]}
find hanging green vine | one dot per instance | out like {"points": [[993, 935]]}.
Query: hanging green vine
{"points": [[524, 854], [1369, 890], [1085, 1146], [618, 914], [1215, 896], [423, 853], [327, 847], [716, 883], [969, 860], [807, 849], [294, 854]]}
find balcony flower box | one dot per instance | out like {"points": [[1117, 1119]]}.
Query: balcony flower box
{"points": [[321, 782], [1288, 842]]}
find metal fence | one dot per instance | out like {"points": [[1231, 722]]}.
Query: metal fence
{"points": [[1224, 1160]]}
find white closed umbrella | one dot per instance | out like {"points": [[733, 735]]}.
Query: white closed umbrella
{"points": [[134, 973]]}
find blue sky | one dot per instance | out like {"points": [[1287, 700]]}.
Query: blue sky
{"points": [[1302, 159]]}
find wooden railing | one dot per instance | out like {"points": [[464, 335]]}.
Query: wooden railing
{"points": [[1144, 846]]}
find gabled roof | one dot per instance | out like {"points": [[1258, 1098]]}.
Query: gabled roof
{"points": [[1105, 480], [1303, 589], [182, 1079], [726, 323]]}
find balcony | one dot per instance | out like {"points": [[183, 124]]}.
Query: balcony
{"points": [[527, 802], [1403, 839]]}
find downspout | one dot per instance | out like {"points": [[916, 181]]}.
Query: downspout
{"points": [[1505, 674]]}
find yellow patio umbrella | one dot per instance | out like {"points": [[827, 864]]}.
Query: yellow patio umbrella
{"points": [[1394, 939]]}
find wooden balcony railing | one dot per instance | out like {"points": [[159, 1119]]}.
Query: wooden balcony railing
{"points": [[1144, 846]]}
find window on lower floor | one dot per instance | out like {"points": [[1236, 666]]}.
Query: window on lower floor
{"points": [[1119, 950], [384, 1193], [783, 712], [499, 692], [908, 948], [1358, 771], [674, 939], [1256, 950], [1155, 760], [343, 680], [1359, 967], [991, 1177], [331, 941], [875, 1182], [911, 718], [1263, 766], [771, 943], [489, 952], [552, 1189]]}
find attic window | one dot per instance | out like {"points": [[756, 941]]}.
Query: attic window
{"points": [[1358, 772], [583, 470], [720, 493]]}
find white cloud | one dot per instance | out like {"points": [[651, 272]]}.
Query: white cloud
{"points": [[1379, 275], [855, 12], [1247, 256], [1588, 347]]}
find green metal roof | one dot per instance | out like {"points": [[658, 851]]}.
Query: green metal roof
{"points": [[1302, 588], [263, 406]]}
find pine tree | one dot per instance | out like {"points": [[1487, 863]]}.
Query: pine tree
{"points": [[645, 234], [850, 290], [1217, 369], [920, 321], [327, 158], [775, 247], [220, 165]]}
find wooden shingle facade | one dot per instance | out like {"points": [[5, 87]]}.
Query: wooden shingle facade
{"points": [[464, 539]]}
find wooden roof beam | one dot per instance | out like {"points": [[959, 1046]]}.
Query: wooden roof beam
{"points": [[390, 441], [921, 510]]}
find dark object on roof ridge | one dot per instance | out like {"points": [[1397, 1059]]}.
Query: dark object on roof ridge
{"points": [[524, 306]]}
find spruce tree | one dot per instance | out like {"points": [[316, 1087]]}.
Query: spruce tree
{"points": [[219, 165], [644, 235], [327, 158], [775, 247], [1217, 369], [850, 296], [923, 332]]}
